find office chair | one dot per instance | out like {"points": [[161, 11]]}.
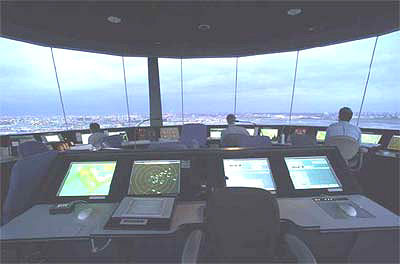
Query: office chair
{"points": [[111, 141], [350, 150], [194, 135], [302, 140], [242, 225], [240, 140], [30, 148], [27, 175]]}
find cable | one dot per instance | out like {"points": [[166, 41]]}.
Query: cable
{"points": [[78, 201], [294, 86], [126, 91], [59, 89], [96, 249], [236, 85], [183, 121], [366, 83]]}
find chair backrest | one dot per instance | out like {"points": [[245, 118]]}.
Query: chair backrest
{"points": [[194, 135], [242, 225], [27, 175], [347, 146], [30, 148], [114, 141], [302, 140], [240, 140], [166, 145]]}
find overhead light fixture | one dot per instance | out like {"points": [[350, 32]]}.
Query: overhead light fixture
{"points": [[294, 11], [203, 27], [114, 19]]}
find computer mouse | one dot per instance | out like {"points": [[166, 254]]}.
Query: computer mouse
{"points": [[348, 209], [85, 213]]}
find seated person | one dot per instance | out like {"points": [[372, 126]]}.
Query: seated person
{"points": [[97, 135], [232, 128], [343, 127]]}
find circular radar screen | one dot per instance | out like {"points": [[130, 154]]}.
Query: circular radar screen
{"points": [[156, 177]]}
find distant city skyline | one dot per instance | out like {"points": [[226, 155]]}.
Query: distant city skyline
{"points": [[32, 124]]}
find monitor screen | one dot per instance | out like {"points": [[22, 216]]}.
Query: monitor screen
{"points": [[52, 138], [312, 173], [321, 134], [85, 138], [155, 177], [88, 179], [300, 131], [215, 132], [169, 133], [272, 133], [370, 138], [394, 143], [114, 133], [251, 131], [251, 172], [123, 134]]}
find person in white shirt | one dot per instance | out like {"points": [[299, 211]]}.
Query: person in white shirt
{"points": [[343, 127], [97, 135], [232, 128]]}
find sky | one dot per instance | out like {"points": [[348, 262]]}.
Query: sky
{"points": [[93, 84]]}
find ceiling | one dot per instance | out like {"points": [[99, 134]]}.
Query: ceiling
{"points": [[171, 29]]}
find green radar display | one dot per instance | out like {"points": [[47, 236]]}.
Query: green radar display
{"points": [[155, 177], [88, 179]]}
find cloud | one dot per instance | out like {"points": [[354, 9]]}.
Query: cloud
{"points": [[327, 78]]}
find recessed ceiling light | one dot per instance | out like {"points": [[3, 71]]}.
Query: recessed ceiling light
{"points": [[114, 19], [203, 27], [294, 11]]}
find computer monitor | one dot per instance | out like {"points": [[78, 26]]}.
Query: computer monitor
{"points": [[85, 138], [370, 138], [123, 134], [394, 143], [169, 133], [88, 179], [321, 134], [52, 138], [155, 177], [300, 130], [250, 172], [312, 173], [251, 131], [215, 132], [272, 133]]}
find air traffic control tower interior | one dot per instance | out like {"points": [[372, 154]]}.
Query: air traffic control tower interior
{"points": [[182, 193]]}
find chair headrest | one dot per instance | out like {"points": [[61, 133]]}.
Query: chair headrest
{"points": [[30, 148], [347, 146], [114, 141], [243, 223], [302, 140], [194, 135]]}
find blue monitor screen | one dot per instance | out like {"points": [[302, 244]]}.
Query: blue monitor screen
{"points": [[254, 172], [312, 173]]}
